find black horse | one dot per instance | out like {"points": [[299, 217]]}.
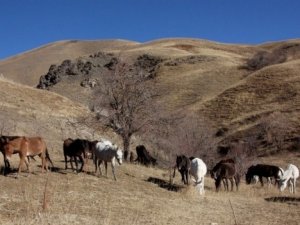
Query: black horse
{"points": [[144, 157], [263, 170], [183, 164]]}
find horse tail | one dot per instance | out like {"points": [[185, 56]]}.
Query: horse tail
{"points": [[48, 158]]}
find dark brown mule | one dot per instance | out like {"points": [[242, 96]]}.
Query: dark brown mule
{"points": [[226, 171], [216, 167], [78, 148], [24, 146], [183, 164]]}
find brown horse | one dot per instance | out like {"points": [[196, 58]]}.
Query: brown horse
{"points": [[78, 148], [226, 171], [24, 146]]}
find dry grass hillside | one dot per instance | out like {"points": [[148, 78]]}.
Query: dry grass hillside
{"points": [[235, 86], [139, 196], [32, 112]]}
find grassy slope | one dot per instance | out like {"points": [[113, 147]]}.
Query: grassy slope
{"points": [[214, 86], [85, 198], [33, 112]]}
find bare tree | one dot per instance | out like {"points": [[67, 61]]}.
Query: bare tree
{"points": [[276, 128], [124, 101], [244, 153], [192, 136]]}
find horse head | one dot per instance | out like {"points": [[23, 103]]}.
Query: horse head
{"points": [[249, 177], [213, 174], [119, 156], [181, 162]]}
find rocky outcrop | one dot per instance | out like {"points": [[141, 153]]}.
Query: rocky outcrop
{"points": [[93, 66]]}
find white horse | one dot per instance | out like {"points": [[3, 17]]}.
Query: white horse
{"points": [[107, 152], [290, 175], [198, 171]]}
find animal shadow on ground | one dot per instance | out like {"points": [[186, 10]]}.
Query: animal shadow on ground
{"points": [[55, 169], [163, 184], [284, 199], [12, 171]]}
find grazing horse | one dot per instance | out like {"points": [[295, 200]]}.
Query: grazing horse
{"points": [[144, 157], [213, 173], [107, 152], [24, 146], [263, 170], [183, 164], [226, 171], [198, 171], [290, 175], [78, 148]]}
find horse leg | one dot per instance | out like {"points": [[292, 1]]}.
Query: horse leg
{"points": [[237, 181], [182, 177], [105, 164], [202, 186], [66, 162], [224, 181], [217, 183], [187, 177], [44, 163], [22, 159], [76, 163], [261, 181], [6, 165], [174, 172], [292, 185], [86, 162], [96, 164], [231, 182], [71, 162], [269, 182], [27, 164], [226, 184], [99, 166], [82, 162], [113, 170]]}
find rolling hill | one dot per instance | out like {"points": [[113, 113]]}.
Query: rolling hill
{"points": [[234, 86]]}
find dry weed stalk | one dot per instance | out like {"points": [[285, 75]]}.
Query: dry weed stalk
{"points": [[46, 195], [234, 216]]}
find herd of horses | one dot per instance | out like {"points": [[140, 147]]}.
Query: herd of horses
{"points": [[104, 151], [73, 150], [226, 170]]}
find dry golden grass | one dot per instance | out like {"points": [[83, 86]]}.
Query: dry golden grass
{"points": [[214, 86], [25, 99], [85, 198], [27, 111]]}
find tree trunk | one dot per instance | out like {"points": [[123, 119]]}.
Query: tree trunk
{"points": [[126, 141]]}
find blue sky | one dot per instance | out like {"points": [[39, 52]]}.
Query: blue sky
{"points": [[27, 24]]}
